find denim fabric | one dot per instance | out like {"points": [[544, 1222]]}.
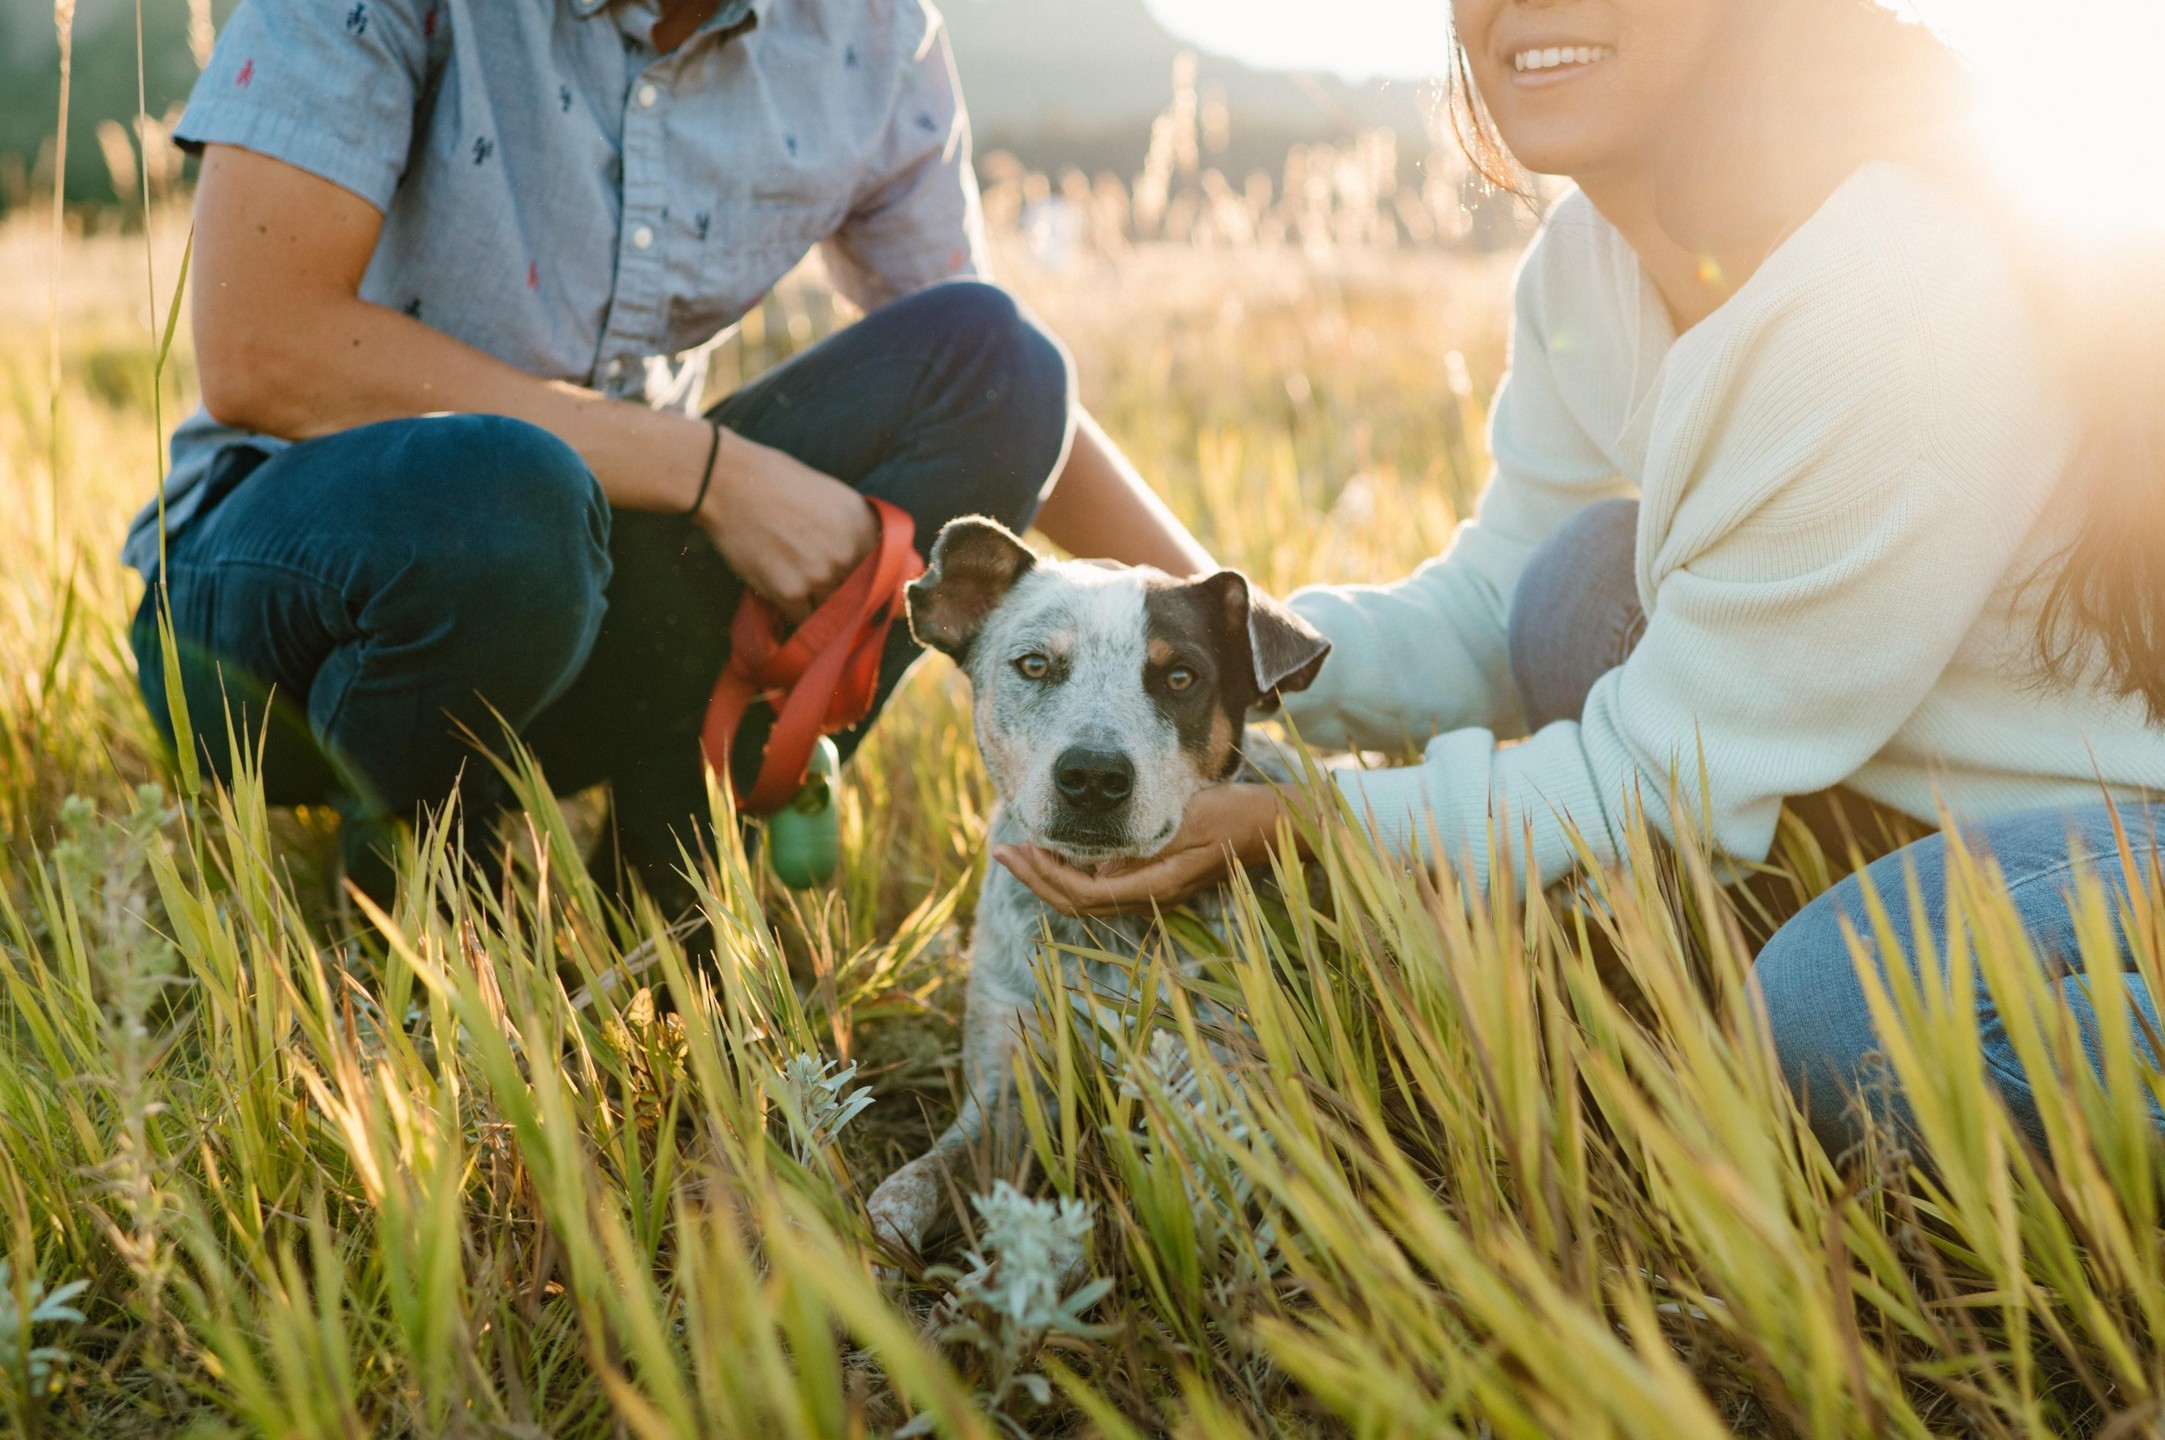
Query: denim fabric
{"points": [[1576, 614], [372, 601], [390, 584], [1815, 1003], [561, 196]]}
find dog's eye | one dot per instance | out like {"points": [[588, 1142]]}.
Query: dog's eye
{"points": [[1033, 667], [1179, 678]]}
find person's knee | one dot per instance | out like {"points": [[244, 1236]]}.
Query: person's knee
{"points": [[1818, 1016], [516, 566], [1021, 367], [970, 314], [511, 500], [1001, 325], [506, 476], [1578, 567], [1570, 615], [1041, 379]]}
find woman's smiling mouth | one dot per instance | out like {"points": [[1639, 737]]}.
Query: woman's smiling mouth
{"points": [[1548, 65]]}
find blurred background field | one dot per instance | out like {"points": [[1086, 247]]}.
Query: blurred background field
{"points": [[274, 1165]]}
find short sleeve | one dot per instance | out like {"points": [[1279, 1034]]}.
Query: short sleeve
{"points": [[916, 219], [327, 86]]}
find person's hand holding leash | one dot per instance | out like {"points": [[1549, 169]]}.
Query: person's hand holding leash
{"points": [[791, 532], [1223, 826]]}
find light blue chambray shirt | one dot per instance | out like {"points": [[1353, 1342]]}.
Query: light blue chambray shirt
{"points": [[561, 196]]}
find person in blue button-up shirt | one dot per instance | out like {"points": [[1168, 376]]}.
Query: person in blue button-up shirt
{"points": [[456, 264]]}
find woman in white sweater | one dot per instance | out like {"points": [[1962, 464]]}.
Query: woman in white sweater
{"points": [[1797, 493]]}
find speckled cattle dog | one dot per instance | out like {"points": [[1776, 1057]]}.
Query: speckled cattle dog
{"points": [[1105, 698]]}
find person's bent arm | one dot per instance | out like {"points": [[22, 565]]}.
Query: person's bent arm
{"points": [[286, 347], [1101, 509]]}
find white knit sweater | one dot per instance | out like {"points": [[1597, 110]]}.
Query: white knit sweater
{"points": [[1846, 475]]}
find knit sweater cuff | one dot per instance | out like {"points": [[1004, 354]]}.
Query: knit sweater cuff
{"points": [[1467, 800]]}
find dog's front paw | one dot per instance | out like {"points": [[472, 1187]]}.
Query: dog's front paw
{"points": [[903, 1207]]}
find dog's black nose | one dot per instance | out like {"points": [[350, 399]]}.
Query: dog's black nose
{"points": [[1093, 779]]}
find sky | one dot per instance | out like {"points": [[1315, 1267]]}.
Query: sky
{"points": [[2072, 84], [1357, 38]]}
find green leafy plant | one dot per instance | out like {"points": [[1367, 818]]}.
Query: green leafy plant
{"points": [[1016, 1288], [816, 1099], [31, 1369]]}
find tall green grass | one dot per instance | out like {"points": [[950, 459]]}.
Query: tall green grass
{"points": [[500, 1163]]}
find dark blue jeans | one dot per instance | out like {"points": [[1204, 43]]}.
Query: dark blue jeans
{"points": [[1576, 615], [372, 602]]}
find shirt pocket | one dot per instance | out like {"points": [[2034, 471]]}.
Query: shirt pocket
{"points": [[739, 251]]}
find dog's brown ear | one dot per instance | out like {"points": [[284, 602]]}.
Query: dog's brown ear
{"points": [[1285, 652], [975, 562]]}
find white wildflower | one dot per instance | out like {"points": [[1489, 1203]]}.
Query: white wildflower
{"points": [[1196, 1127], [1034, 1246], [1014, 1293], [814, 1098]]}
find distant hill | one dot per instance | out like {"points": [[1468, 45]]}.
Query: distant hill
{"points": [[1058, 82], [1062, 82]]}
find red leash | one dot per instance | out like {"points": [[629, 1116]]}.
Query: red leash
{"points": [[820, 678]]}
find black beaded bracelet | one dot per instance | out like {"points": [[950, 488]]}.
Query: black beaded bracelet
{"points": [[706, 476]]}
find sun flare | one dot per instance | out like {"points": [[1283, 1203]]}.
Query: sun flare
{"points": [[2071, 100]]}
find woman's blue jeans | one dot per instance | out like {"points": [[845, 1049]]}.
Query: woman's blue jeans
{"points": [[1576, 615], [376, 603]]}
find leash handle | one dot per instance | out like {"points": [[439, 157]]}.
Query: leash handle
{"points": [[822, 677]]}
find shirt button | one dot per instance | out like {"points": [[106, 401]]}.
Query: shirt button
{"points": [[642, 237], [647, 96]]}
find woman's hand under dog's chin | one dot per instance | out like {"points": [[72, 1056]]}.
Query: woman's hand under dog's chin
{"points": [[1224, 825]]}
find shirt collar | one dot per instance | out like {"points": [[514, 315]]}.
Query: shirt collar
{"points": [[732, 12]]}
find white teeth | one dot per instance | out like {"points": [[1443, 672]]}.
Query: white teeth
{"points": [[1556, 56]]}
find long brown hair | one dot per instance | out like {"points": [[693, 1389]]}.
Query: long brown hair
{"points": [[2102, 619]]}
